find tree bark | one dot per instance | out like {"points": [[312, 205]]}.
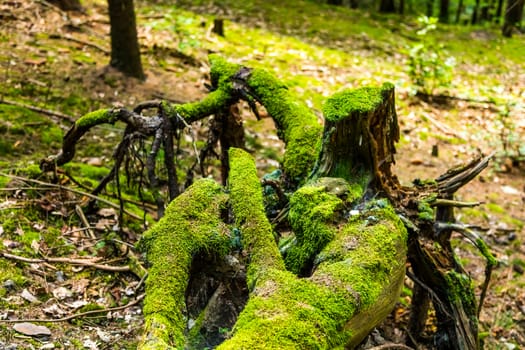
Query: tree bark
{"points": [[125, 53]]}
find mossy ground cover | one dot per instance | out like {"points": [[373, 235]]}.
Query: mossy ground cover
{"points": [[316, 50]]}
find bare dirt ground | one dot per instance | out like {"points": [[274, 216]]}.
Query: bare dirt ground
{"points": [[73, 61]]}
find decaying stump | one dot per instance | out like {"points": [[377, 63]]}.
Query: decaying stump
{"points": [[222, 276]]}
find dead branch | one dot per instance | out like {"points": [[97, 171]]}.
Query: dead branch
{"points": [[80, 41], [80, 262], [82, 314], [50, 185], [39, 110]]}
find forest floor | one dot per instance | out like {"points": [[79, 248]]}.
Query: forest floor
{"points": [[58, 61]]}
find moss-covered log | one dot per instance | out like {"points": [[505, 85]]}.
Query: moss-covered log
{"points": [[192, 224], [356, 282], [338, 273]]}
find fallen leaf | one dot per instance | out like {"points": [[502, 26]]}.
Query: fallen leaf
{"points": [[10, 244], [35, 62], [95, 161], [32, 330], [510, 190], [79, 286], [54, 310], [77, 304], [107, 212], [62, 293], [28, 296]]}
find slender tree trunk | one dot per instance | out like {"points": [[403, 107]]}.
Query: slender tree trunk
{"points": [[354, 4], [443, 11], [474, 19], [430, 8], [499, 10], [387, 6], [401, 9], [335, 2], [513, 16], [459, 11], [125, 53]]}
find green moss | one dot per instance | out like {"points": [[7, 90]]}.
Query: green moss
{"points": [[365, 252], [97, 117], [426, 212], [461, 290], [191, 224], [29, 170], [495, 208], [87, 171], [361, 100], [484, 250], [286, 312], [297, 125], [248, 210], [312, 215], [11, 272], [222, 74]]}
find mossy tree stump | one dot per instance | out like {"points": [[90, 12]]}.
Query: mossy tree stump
{"points": [[222, 276], [339, 275]]}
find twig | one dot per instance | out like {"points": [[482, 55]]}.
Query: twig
{"points": [[81, 262], [84, 220], [111, 204], [39, 110], [442, 127], [483, 249], [80, 41], [82, 314], [141, 282], [440, 202]]}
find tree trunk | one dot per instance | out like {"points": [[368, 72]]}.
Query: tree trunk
{"points": [[125, 53], [513, 16], [387, 6], [401, 9], [475, 13], [499, 10], [354, 4], [443, 11], [335, 2]]}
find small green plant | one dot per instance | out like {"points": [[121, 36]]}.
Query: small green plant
{"points": [[430, 66]]}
